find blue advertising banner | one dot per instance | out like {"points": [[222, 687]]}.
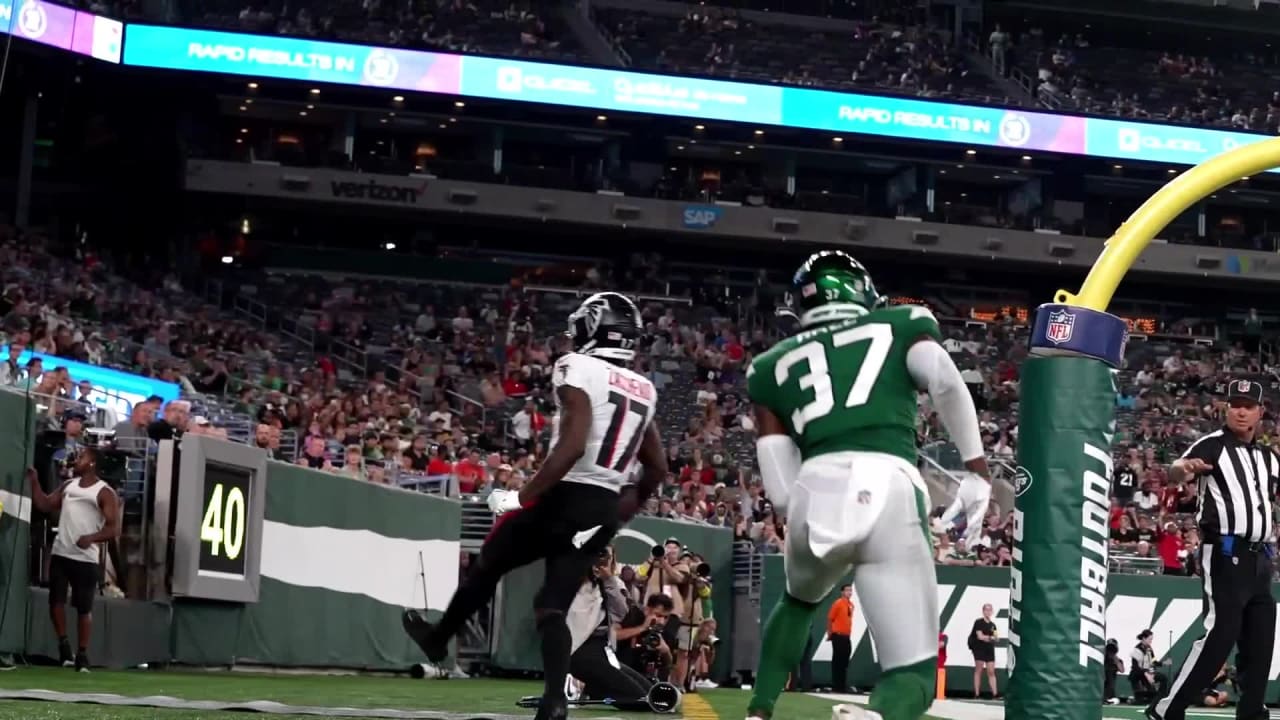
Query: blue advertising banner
{"points": [[934, 121], [126, 389], [602, 89], [1164, 143], [291, 58]]}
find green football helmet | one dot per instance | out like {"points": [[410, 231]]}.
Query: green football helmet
{"points": [[831, 286]]}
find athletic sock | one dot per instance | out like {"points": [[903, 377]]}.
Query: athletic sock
{"points": [[556, 642], [785, 636], [905, 693]]}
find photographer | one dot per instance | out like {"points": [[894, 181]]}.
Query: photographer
{"points": [[669, 574], [703, 655], [1216, 694], [1147, 683], [641, 644], [597, 610], [1112, 666], [696, 604]]}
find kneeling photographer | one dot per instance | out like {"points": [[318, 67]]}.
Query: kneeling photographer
{"points": [[598, 613], [641, 642]]}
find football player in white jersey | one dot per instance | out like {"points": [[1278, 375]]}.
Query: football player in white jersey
{"points": [[574, 504]]}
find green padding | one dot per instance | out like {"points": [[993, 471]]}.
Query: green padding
{"points": [[1058, 584], [126, 633], [311, 613], [16, 435]]}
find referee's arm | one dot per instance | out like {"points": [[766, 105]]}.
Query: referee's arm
{"points": [[1197, 459]]}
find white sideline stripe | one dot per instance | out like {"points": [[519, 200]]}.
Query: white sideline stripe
{"points": [[967, 710], [361, 562], [19, 506], [946, 709]]}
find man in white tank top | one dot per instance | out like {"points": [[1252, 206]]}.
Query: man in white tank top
{"points": [[572, 507], [88, 514]]}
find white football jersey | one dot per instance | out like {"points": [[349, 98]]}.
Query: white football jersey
{"points": [[623, 403]]}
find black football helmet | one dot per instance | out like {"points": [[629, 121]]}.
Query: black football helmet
{"points": [[606, 325]]}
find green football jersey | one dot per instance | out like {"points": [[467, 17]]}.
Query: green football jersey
{"points": [[845, 385]]}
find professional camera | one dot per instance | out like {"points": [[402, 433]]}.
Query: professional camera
{"points": [[657, 551], [650, 639], [703, 570]]}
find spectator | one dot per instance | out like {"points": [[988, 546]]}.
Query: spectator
{"points": [[313, 454], [173, 424], [140, 418]]}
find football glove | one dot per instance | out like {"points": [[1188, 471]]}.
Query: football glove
{"points": [[503, 501], [972, 499]]}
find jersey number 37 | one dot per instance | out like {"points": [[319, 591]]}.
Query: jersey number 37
{"points": [[818, 377]]}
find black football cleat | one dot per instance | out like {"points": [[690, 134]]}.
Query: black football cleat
{"points": [[423, 633], [554, 708]]}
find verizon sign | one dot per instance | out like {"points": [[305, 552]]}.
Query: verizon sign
{"points": [[310, 184], [379, 192]]}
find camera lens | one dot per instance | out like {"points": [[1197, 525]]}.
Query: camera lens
{"points": [[658, 551]]}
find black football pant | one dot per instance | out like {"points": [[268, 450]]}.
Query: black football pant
{"points": [[605, 677], [568, 527], [1239, 612], [555, 530]]}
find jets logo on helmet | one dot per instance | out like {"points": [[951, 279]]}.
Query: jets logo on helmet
{"points": [[832, 285], [606, 325]]}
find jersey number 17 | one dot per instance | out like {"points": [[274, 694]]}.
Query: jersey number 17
{"points": [[622, 432]]}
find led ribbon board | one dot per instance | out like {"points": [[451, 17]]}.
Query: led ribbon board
{"points": [[63, 28], [623, 90], [126, 389]]}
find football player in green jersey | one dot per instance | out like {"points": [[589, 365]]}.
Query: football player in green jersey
{"points": [[835, 408]]}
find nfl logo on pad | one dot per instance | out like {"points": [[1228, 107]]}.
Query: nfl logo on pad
{"points": [[1059, 328]]}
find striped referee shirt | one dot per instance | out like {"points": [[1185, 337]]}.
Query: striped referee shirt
{"points": [[1235, 497]]}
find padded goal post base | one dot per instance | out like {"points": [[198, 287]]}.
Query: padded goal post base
{"points": [[1058, 583]]}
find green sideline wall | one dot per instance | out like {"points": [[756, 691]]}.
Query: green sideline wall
{"points": [[340, 562], [1169, 606]]}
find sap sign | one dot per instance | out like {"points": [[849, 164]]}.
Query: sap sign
{"points": [[701, 216], [112, 389]]}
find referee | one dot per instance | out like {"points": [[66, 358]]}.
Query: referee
{"points": [[1237, 481]]}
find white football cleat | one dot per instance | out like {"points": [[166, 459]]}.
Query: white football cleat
{"points": [[849, 711]]}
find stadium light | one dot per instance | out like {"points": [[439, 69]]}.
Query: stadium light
{"points": [[389, 246], [227, 259]]}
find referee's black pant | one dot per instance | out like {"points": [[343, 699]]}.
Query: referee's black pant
{"points": [[1239, 611]]}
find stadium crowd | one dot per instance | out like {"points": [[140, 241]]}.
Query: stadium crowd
{"points": [[456, 398]]}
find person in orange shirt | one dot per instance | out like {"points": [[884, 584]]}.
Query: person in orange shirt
{"points": [[839, 632]]}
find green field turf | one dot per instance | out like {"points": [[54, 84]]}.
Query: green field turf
{"points": [[474, 698], [477, 697]]}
